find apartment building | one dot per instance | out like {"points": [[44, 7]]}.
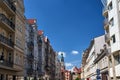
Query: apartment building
{"points": [[41, 54], [12, 31], [111, 12], [89, 67], [101, 62], [58, 68], [47, 55], [46, 58], [31, 50]]}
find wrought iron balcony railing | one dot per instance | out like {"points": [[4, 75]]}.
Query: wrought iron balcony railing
{"points": [[31, 56], [30, 45], [30, 71], [6, 63], [10, 4], [6, 41], [7, 21]]}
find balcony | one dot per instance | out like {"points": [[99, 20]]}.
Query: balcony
{"points": [[30, 45], [5, 41], [30, 71], [30, 56], [31, 34], [8, 6], [47, 67], [106, 24], [107, 37], [6, 23], [6, 63], [105, 11], [39, 41], [101, 55]]}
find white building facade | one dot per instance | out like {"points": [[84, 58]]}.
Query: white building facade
{"points": [[111, 13], [89, 67]]}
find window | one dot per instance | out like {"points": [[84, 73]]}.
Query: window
{"points": [[16, 59], [110, 7], [113, 39], [3, 34], [9, 57], [112, 22], [117, 59]]}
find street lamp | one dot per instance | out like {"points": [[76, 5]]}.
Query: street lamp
{"points": [[1, 58]]}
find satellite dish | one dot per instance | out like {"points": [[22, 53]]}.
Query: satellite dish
{"points": [[104, 2]]}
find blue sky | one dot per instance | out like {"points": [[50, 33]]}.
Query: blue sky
{"points": [[69, 24]]}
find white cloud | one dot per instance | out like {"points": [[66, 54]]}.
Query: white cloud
{"points": [[64, 54], [68, 64], [75, 52]]}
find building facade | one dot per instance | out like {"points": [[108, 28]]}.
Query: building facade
{"points": [[68, 75], [46, 58], [49, 65], [90, 55], [101, 62], [41, 54], [12, 31], [111, 12], [31, 50], [58, 68], [76, 73]]}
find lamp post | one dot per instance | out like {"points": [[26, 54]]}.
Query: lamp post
{"points": [[1, 58]]}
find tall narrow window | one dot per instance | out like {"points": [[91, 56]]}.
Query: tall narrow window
{"points": [[10, 37], [10, 57], [113, 39]]}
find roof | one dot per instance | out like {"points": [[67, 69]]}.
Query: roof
{"points": [[76, 70], [40, 32], [31, 21]]}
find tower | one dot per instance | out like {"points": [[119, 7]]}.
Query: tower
{"points": [[62, 61]]}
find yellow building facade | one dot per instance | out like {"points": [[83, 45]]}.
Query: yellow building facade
{"points": [[12, 30]]}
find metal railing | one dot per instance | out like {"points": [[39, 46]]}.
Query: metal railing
{"points": [[6, 41], [10, 4], [30, 71], [6, 63], [31, 56], [30, 44], [7, 21]]}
